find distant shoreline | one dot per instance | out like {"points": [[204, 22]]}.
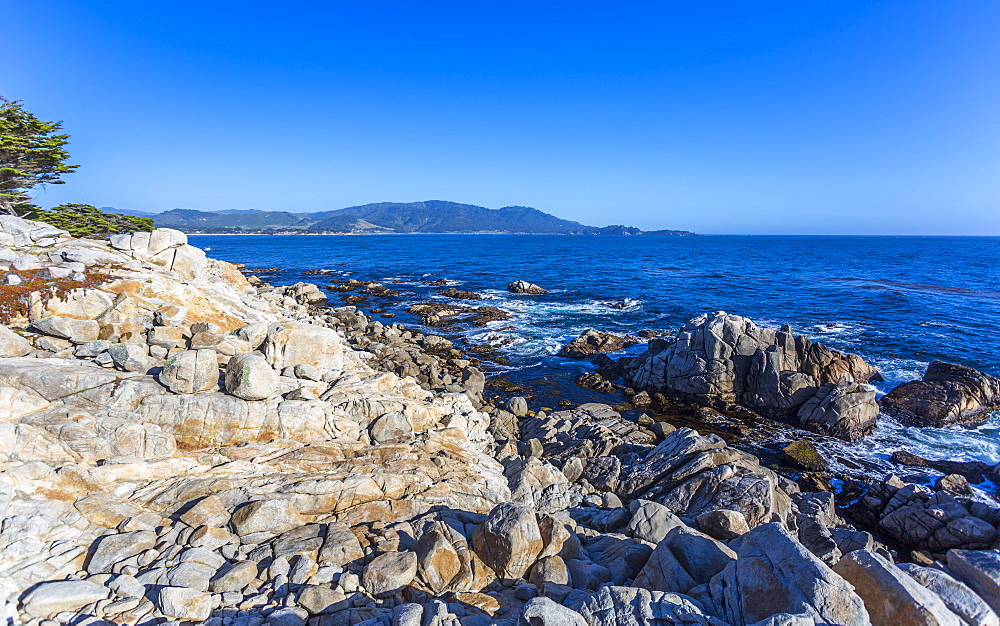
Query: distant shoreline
{"points": [[402, 234]]}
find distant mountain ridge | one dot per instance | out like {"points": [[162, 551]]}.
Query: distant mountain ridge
{"points": [[432, 216]]}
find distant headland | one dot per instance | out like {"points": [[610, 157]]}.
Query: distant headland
{"points": [[430, 217]]}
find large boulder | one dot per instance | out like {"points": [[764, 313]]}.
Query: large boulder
{"points": [[263, 519], [947, 394], [12, 344], [773, 573], [845, 410], [130, 357], [891, 596], [389, 573], [651, 521], [77, 331], [684, 559], [15, 231], [293, 343], [250, 377], [629, 605], [956, 596], [111, 549], [722, 360], [65, 595], [980, 570], [438, 560], [509, 540], [191, 371], [184, 603], [542, 611]]}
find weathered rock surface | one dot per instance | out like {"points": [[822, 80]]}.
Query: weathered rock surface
{"points": [[389, 573], [12, 344], [684, 559], [980, 570], [916, 517], [955, 595], [51, 598], [191, 371], [629, 605], [947, 394], [509, 540], [892, 597], [774, 574], [250, 377]]}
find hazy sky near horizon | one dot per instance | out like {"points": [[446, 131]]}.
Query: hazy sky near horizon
{"points": [[725, 117]]}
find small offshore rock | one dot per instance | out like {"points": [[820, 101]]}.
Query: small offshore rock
{"points": [[518, 406], [523, 286], [593, 341], [947, 394], [954, 483]]}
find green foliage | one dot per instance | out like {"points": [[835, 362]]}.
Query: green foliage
{"points": [[84, 220], [31, 153]]}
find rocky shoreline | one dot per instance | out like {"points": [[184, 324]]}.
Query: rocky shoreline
{"points": [[181, 443]]}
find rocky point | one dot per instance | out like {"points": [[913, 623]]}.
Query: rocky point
{"points": [[182, 444]]}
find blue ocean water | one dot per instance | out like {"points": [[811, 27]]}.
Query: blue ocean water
{"points": [[900, 302]]}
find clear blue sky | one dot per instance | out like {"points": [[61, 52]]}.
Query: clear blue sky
{"points": [[718, 117]]}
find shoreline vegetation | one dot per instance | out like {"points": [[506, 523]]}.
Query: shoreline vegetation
{"points": [[182, 441]]}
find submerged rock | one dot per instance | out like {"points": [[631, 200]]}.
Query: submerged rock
{"points": [[806, 455]]}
